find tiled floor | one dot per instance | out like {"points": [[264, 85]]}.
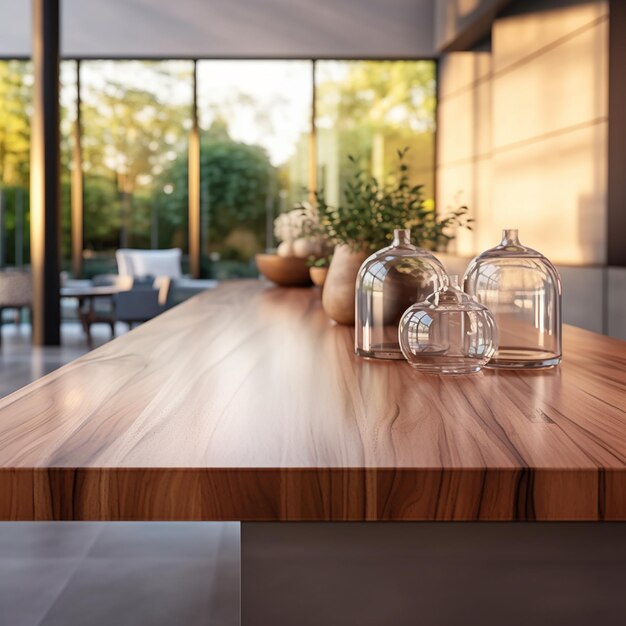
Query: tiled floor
{"points": [[21, 362], [104, 574], [127, 574]]}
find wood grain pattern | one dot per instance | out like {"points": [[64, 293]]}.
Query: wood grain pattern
{"points": [[247, 403]]}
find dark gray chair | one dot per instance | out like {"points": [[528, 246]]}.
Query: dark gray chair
{"points": [[141, 303], [103, 309]]}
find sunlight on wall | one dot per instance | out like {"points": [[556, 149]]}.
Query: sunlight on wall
{"points": [[525, 144]]}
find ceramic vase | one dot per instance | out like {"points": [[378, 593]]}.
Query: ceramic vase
{"points": [[340, 284]]}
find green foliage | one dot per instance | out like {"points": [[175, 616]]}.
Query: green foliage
{"points": [[237, 182], [15, 105], [132, 132], [102, 215], [377, 108], [372, 210], [323, 261], [237, 179]]}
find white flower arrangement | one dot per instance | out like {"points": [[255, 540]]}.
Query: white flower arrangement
{"points": [[300, 222], [299, 232]]}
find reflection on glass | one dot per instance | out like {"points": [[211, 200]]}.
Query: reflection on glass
{"points": [[255, 124], [370, 110], [136, 117]]}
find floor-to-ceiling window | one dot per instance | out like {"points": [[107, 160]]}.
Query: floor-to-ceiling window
{"points": [[135, 121], [16, 86], [270, 132], [369, 110], [69, 100], [255, 120]]}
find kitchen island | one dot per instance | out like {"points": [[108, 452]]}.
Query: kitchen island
{"points": [[246, 403]]}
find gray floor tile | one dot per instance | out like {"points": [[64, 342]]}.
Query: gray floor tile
{"points": [[136, 592], [45, 540], [28, 587], [226, 589], [162, 540]]}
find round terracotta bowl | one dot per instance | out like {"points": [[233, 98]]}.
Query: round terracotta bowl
{"points": [[287, 271]]}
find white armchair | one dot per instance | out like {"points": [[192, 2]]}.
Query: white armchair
{"points": [[142, 263], [163, 265]]}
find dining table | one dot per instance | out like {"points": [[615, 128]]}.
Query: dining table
{"points": [[367, 492], [86, 295]]}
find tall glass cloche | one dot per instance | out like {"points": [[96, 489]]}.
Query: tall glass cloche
{"points": [[523, 291], [388, 282]]}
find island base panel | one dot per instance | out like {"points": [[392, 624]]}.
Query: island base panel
{"points": [[433, 574]]}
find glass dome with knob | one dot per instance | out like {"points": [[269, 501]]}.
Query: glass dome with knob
{"points": [[523, 291], [388, 282], [448, 333]]}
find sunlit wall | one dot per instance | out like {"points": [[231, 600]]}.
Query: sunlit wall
{"points": [[523, 141], [523, 131]]}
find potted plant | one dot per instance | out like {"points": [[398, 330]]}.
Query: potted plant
{"points": [[318, 268], [364, 223]]}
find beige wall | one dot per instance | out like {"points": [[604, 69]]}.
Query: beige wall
{"points": [[523, 131], [464, 144], [522, 139], [549, 95]]}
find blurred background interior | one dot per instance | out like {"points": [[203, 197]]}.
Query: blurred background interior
{"points": [[503, 103]]}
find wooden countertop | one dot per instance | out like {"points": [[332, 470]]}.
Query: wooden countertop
{"points": [[247, 403]]}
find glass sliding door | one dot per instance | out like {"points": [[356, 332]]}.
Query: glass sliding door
{"points": [[16, 93], [259, 151], [136, 117], [255, 120]]}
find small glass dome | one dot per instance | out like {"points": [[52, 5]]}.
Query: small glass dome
{"points": [[449, 333], [523, 291], [388, 282]]}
